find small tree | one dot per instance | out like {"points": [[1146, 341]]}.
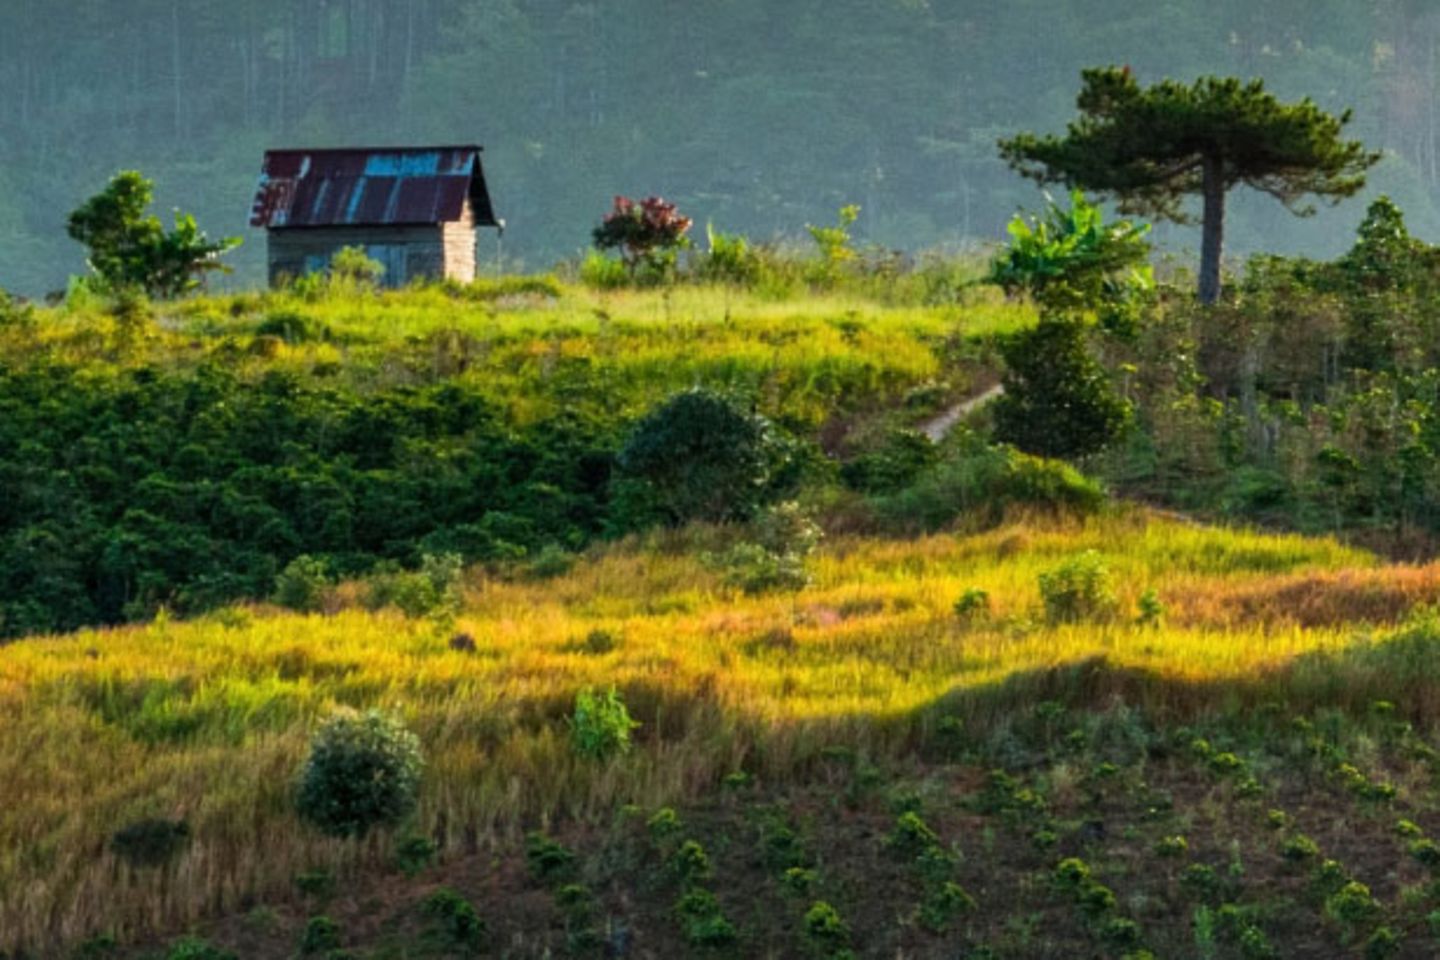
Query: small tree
{"points": [[1153, 146], [1072, 261], [1058, 401], [132, 250], [702, 457], [363, 772], [647, 233]]}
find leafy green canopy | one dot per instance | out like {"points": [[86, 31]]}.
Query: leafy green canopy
{"points": [[1151, 147], [1073, 261], [132, 250], [1058, 401]]}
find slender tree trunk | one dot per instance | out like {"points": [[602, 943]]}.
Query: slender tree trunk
{"points": [[1213, 242]]}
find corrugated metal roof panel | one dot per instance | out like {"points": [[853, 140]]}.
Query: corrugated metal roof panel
{"points": [[371, 187]]}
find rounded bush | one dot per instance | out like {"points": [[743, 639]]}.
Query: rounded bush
{"points": [[363, 772], [702, 458]]}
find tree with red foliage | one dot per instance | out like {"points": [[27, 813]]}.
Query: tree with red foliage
{"points": [[648, 233]]}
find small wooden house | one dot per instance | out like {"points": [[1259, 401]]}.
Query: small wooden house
{"points": [[413, 209]]}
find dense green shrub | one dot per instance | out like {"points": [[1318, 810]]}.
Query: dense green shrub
{"points": [[147, 487], [704, 923], [456, 917], [433, 589], [825, 930], [704, 458], [321, 934], [894, 465], [193, 948], [730, 258], [363, 772], [1058, 400], [549, 861], [151, 842], [303, 584], [979, 483], [1078, 589], [600, 726]]}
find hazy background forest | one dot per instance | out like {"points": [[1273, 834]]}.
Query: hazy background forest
{"points": [[756, 115]]}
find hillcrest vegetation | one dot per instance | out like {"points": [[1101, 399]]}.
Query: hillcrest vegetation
{"points": [[712, 598]]}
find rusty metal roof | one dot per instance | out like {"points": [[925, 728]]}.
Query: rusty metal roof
{"points": [[366, 187]]}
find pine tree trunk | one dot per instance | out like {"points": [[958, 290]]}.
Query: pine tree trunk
{"points": [[1213, 241]]}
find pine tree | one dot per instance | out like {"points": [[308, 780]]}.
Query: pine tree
{"points": [[1151, 147]]}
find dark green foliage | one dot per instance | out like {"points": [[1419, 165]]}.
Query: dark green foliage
{"points": [[190, 490], [979, 483], [549, 861], [911, 835], [414, 853], [825, 930], [191, 948], [974, 602], [1383, 944], [703, 921], [129, 249], [321, 934], [455, 917], [1353, 907], [664, 824], [363, 772], [893, 466], [316, 883], [151, 842], [943, 904], [690, 862], [433, 590], [1058, 400], [303, 584], [1154, 146], [1299, 847], [703, 458]]}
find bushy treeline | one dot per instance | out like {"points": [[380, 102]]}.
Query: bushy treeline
{"points": [[130, 489], [144, 469], [1310, 396]]}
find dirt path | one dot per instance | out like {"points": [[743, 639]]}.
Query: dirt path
{"points": [[936, 427]]}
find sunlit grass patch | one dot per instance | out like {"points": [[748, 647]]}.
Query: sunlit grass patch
{"points": [[210, 718]]}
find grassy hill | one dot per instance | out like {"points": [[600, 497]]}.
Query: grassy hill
{"points": [[999, 720]]}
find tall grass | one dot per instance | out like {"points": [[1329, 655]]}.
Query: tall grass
{"points": [[805, 359], [209, 720]]}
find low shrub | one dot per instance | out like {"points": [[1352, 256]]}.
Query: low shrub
{"points": [[943, 904], [152, 842], [600, 726], [363, 772], [1079, 589], [893, 466], [980, 483], [690, 863], [911, 835], [825, 930], [548, 860], [303, 585], [414, 853], [193, 948], [321, 934], [972, 603], [455, 917], [704, 923]]}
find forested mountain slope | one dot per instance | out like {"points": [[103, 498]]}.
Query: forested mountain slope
{"points": [[894, 105]]}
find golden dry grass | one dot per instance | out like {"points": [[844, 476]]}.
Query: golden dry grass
{"points": [[209, 720]]}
